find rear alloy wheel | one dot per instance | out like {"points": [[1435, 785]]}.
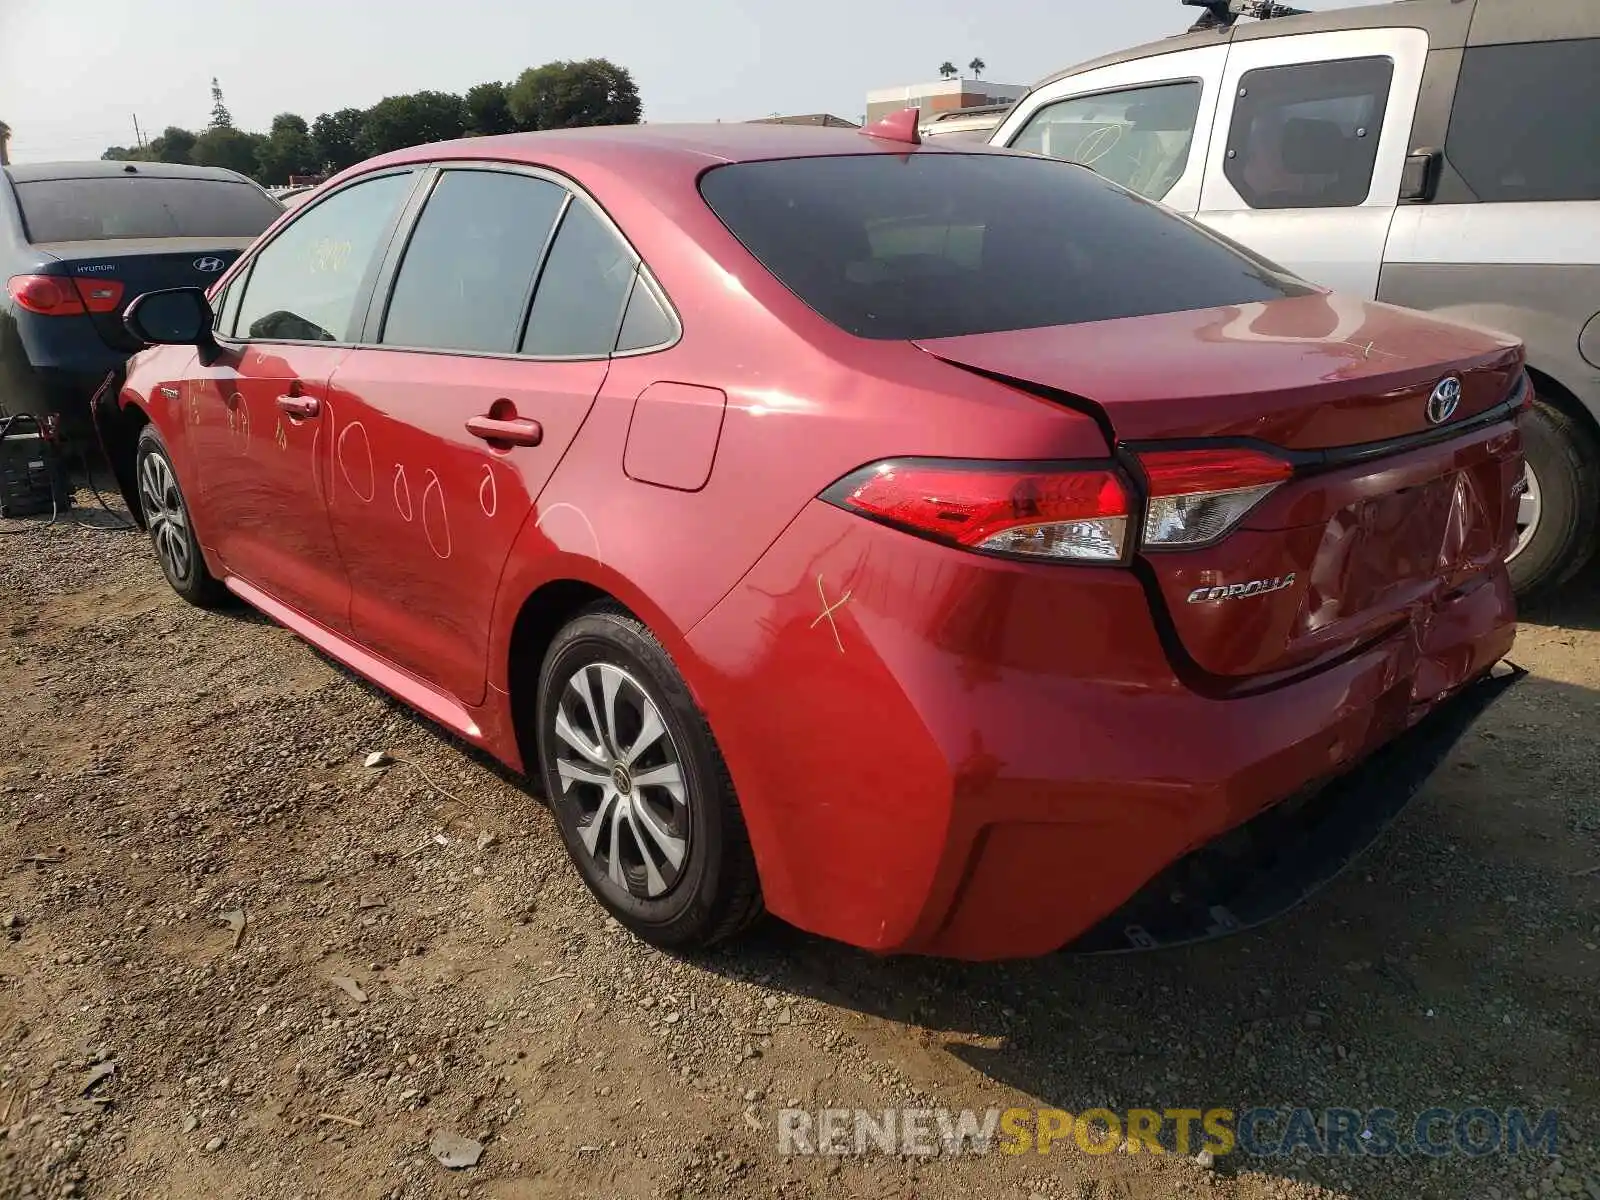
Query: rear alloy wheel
{"points": [[166, 516], [639, 789], [1560, 503]]}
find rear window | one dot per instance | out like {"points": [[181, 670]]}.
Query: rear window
{"points": [[92, 210], [928, 245]]}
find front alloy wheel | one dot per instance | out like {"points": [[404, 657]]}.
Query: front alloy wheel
{"points": [[166, 516]]}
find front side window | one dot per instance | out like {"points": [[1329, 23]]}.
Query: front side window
{"points": [[305, 284], [1139, 138], [468, 269], [1307, 136], [577, 309], [939, 244], [1526, 122]]}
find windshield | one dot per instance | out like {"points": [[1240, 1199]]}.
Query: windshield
{"points": [[98, 209], [927, 244]]}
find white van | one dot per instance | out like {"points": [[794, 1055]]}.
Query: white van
{"points": [[1438, 154]]}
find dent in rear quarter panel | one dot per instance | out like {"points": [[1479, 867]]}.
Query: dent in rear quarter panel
{"points": [[863, 684]]}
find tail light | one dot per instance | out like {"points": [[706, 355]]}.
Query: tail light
{"points": [[1029, 511], [46, 295], [100, 295], [1196, 497]]}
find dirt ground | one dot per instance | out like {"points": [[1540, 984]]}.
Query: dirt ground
{"points": [[166, 769]]}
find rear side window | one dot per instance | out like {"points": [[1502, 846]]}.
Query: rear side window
{"points": [[646, 324], [305, 284], [1307, 136], [1141, 137], [1526, 122], [131, 206], [468, 270], [935, 244], [577, 309]]}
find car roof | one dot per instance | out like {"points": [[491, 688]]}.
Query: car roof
{"points": [[693, 147], [101, 169]]}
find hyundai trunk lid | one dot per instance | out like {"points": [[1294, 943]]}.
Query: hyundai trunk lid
{"points": [[1398, 429], [136, 266]]}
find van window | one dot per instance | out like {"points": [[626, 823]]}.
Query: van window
{"points": [[1526, 122], [1306, 136], [1139, 138]]}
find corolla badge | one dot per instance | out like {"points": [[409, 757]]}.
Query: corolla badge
{"points": [[210, 265], [1238, 591], [1445, 400]]}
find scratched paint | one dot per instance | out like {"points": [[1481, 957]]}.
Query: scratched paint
{"points": [[828, 610], [355, 461], [435, 517], [554, 533], [402, 493], [489, 492]]}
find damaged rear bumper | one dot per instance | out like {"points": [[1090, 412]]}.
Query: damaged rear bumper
{"points": [[1269, 865]]}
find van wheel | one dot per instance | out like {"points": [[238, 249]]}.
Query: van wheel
{"points": [[1558, 512]]}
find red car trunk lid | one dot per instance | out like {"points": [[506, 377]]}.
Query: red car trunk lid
{"points": [[1387, 515]]}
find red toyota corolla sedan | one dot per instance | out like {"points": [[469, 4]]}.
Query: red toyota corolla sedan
{"points": [[940, 548]]}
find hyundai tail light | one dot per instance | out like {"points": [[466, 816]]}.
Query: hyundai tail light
{"points": [[100, 295], [46, 295], [1197, 497], [1029, 511]]}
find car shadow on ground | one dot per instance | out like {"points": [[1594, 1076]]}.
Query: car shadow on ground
{"points": [[1574, 605], [1445, 967]]}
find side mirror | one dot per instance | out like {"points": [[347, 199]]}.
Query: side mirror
{"points": [[174, 317]]}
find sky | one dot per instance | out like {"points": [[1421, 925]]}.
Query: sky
{"points": [[73, 73]]}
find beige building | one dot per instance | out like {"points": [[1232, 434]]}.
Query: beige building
{"points": [[940, 96]]}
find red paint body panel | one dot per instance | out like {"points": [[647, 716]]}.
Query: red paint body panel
{"points": [[672, 440], [1303, 373], [934, 750], [263, 475], [424, 513]]}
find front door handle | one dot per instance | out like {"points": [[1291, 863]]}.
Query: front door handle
{"points": [[300, 406], [514, 431]]}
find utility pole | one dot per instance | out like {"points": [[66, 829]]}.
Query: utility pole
{"points": [[138, 138]]}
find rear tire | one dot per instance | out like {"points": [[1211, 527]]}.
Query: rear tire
{"points": [[166, 516], [642, 797], [1564, 462]]}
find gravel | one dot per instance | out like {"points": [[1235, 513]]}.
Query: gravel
{"points": [[308, 971]]}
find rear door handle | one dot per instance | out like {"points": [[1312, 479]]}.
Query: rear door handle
{"points": [[300, 406], [515, 431]]}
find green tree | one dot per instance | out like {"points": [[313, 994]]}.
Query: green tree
{"points": [[489, 110], [225, 146], [125, 154], [336, 139], [396, 122], [5, 144], [947, 70], [561, 95], [977, 66], [175, 145], [221, 118], [286, 151]]}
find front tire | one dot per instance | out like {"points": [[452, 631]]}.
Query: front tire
{"points": [[639, 789], [1557, 518], [166, 516]]}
